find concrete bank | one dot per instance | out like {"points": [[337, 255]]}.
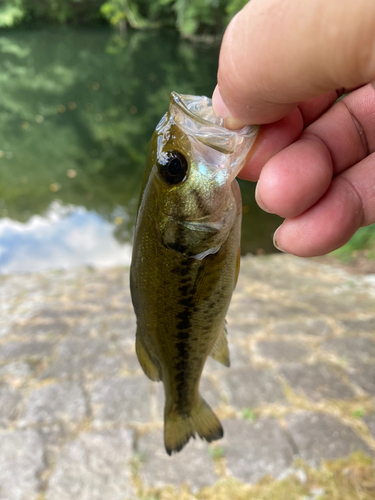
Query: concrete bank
{"points": [[78, 419]]}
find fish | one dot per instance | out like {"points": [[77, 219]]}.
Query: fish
{"points": [[186, 257]]}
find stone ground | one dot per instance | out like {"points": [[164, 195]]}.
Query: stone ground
{"points": [[79, 420]]}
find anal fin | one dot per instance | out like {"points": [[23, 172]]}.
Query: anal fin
{"points": [[150, 367], [220, 351]]}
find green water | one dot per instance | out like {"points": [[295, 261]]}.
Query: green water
{"points": [[77, 108]]}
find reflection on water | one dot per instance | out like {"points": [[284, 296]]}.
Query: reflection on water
{"points": [[63, 238], [77, 109]]}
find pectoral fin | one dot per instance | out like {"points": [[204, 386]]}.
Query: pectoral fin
{"points": [[220, 351], [149, 366]]}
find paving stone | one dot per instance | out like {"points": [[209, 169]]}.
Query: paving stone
{"points": [[239, 357], [63, 401], [21, 462], [10, 399], [192, 466], [74, 312], [51, 328], [322, 437], [209, 392], [36, 350], [364, 376], [122, 329], [334, 304], [48, 314], [16, 372], [255, 308], [106, 365], [121, 400], [73, 356], [370, 421], [240, 329], [318, 381], [99, 352], [355, 349], [5, 328], [359, 325], [282, 351], [253, 450], [89, 327], [53, 437], [95, 466], [131, 361], [308, 326], [249, 388]]}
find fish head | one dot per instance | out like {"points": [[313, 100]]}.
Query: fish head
{"points": [[195, 160]]}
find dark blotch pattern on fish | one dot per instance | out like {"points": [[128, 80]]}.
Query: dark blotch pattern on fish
{"points": [[200, 200]]}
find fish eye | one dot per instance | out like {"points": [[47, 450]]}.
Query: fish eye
{"points": [[174, 168]]}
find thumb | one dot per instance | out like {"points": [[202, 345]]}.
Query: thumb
{"points": [[277, 53]]}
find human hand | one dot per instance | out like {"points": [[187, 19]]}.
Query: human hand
{"points": [[283, 64]]}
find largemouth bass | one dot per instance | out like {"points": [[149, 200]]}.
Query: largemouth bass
{"points": [[186, 255]]}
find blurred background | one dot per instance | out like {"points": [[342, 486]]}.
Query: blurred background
{"points": [[83, 85]]}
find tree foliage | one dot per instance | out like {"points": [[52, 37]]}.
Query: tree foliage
{"points": [[189, 17]]}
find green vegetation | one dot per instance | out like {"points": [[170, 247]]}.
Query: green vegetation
{"points": [[359, 413], [248, 414], [77, 109], [216, 452], [363, 240], [187, 16]]}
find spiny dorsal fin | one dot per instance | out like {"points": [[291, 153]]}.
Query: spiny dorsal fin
{"points": [[149, 367], [220, 351]]}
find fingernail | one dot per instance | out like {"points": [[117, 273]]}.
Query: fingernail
{"points": [[275, 242], [218, 105], [258, 199], [220, 109]]}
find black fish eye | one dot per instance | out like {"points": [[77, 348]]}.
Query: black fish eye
{"points": [[174, 168]]}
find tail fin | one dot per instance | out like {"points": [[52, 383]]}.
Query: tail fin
{"points": [[179, 428]]}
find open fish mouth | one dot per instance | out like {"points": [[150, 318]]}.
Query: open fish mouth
{"points": [[221, 149], [195, 116]]}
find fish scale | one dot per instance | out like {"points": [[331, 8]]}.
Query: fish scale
{"points": [[186, 259]]}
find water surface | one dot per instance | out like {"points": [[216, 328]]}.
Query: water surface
{"points": [[77, 109]]}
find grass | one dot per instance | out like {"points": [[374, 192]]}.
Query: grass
{"points": [[359, 413], [248, 414], [348, 479], [216, 452]]}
